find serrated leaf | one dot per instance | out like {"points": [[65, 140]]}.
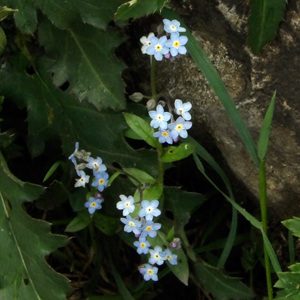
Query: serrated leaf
{"points": [[93, 12], [293, 225], [26, 16], [53, 112], [221, 286], [139, 8], [85, 59], [289, 282], [264, 19], [142, 129], [24, 271], [173, 153]]}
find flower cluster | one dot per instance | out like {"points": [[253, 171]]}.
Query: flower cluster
{"points": [[170, 132], [98, 183], [169, 45], [144, 227]]}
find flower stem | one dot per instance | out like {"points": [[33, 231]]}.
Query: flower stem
{"points": [[264, 217], [153, 77]]}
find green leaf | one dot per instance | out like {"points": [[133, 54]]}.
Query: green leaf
{"points": [[173, 153], [263, 140], [81, 221], [24, 271], [265, 16], [85, 58], [52, 112], [142, 128], [139, 176], [26, 16], [221, 286], [293, 225], [139, 8], [214, 80], [65, 13], [3, 40], [108, 225], [289, 282]]}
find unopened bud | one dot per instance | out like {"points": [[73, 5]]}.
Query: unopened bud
{"points": [[151, 104], [136, 97]]}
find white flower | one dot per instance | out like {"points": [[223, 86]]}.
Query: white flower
{"points": [[146, 42]]}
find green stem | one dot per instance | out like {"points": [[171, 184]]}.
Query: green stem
{"points": [[264, 217], [153, 77]]}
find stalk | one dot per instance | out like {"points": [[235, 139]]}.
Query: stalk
{"points": [[264, 217], [153, 77]]}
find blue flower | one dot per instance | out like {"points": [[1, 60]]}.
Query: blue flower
{"points": [[170, 257], [182, 109], [95, 164], [172, 26], [150, 229], [159, 117], [131, 225], [158, 48], [82, 180], [176, 44], [146, 42], [149, 272], [127, 204], [179, 128], [164, 136], [149, 209], [142, 246], [93, 204], [100, 180], [72, 156], [157, 256]]}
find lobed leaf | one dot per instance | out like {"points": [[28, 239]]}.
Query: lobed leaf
{"points": [[24, 244], [85, 59], [265, 16]]}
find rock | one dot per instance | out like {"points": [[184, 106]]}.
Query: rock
{"points": [[220, 27]]}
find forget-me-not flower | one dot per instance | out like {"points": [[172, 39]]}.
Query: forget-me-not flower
{"points": [[149, 209], [93, 204], [157, 256], [127, 204], [82, 180], [170, 257], [176, 44], [172, 26], [145, 40], [95, 164], [72, 157], [159, 117], [131, 225], [142, 246], [100, 181], [180, 127], [157, 47], [150, 229], [183, 108], [149, 272], [164, 136]]}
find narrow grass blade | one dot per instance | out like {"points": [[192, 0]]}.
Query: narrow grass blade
{"points": [[263, 140], [217, 85]]}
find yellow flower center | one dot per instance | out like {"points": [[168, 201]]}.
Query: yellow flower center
{"points": [[158, 47], [169, 257], [179, 127], [159, 117], [93, 204], [101, 181], [149, 228], [150, 271], [143, 245], [131, 224], [165, 134], [176, 44]]}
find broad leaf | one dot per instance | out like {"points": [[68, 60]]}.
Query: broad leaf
{"points": [[293, 225], [3, 40], [221, 286], [53, 112], [139, 176], [139, 8], [81, 221], [85, 59], [24, 244], [264, 19], [173, 153]]}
